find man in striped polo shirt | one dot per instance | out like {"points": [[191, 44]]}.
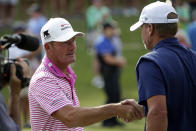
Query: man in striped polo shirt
{"points": [[53, 101]]}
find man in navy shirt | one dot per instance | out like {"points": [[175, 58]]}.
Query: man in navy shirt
{"points": [[167, 75]]}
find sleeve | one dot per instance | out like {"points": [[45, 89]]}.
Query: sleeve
{"points": [[150, 81], [50, 95]]}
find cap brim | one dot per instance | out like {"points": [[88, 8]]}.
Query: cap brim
{"points": [[68, 36], [136, 26]]}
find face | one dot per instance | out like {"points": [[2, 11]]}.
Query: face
{"points": [[62, 53], [98, 4], [146, 32], [109, 32]]}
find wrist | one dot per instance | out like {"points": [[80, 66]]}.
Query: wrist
{"points": [[115, 108], [14, 96]]}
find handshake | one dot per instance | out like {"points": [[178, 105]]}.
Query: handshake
{"points": [[128, 110]]}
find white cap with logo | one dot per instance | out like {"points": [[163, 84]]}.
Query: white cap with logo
{"points": [[59, 30], [155, 12]]}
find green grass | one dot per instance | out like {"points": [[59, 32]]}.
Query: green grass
{"points": [[91, 96]]}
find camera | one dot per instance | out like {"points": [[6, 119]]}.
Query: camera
{"points": [[22, 41]]}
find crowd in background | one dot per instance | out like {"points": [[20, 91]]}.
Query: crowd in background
{"points": [[78, 9], [95, 13]]}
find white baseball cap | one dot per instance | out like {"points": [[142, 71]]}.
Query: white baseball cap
{"points": [[59, 30], [155, 12]]}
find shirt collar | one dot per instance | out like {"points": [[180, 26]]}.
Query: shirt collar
{"points": [[166, 42], [55, 70]]}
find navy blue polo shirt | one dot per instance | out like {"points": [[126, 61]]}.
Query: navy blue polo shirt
{"points": [[170, 70]]}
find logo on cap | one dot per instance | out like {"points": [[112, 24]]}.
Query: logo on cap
{"points": [[46, 34], [65, 26]]}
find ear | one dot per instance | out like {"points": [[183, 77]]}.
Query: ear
{"points": [[47, 46], [150, 29]]}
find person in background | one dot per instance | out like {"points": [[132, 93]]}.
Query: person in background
{"points": [[110, 61], [34, 25], [191, 31], [183, 38], [182, 8], [166, 75], [59, 7], [96, 15], [25, 4], [14, 52], [10, 119], [192, 4], [7, 10], [79, 8]]}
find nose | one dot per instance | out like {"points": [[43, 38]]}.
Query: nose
{"points": [[73, 45]]}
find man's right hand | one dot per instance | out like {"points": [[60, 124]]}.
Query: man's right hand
{"points": [[130, 110]]}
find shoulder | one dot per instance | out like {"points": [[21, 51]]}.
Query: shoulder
{"points": [[148, 57], [105, 9], [41, 77], [153, 57], [157, 55], [43, 19], [100, 39], [91, 8]]}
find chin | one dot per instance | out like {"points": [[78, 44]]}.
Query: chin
{"points": [[72, 61]]}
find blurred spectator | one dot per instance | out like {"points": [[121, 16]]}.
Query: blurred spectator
{"points": [[183, 38], [59, 7], [25, 4], [191, 30], [79, 8], [14, 52], [96, 15], [35, 23], [131, 7], [126, 8], [97, 81], [10, 118], [192, 4], [111, 62], [7, 9], [182, 9]]}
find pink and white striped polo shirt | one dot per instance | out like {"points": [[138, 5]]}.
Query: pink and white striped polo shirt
{"points": [[50, 89]]}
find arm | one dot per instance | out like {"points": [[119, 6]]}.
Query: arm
{"points": [[157, 114], [84, 116], [15, 86], [152, 94], [33, 54], [112, 60]]}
